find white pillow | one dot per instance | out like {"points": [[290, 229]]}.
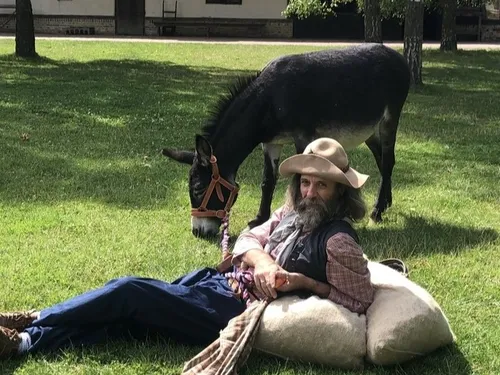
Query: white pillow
{"points": [[404, 321], [313, 330]]}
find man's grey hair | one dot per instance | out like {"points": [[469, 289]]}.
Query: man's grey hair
{"points": [[347, 202]]}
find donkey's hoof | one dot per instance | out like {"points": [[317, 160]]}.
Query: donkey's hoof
{"points": [[376, 216], [389, 203]]}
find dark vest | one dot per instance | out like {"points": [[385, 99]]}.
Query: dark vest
{"points": [[309, 253]]}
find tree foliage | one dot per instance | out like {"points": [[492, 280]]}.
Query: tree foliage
{"points": [[302, 9], [397, 8], [389, 8]]}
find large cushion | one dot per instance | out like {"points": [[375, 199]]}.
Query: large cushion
{"points": [[313, 330], [404, 321]]}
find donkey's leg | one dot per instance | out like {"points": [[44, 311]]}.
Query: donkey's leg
{"points": [[375, 147], [272, 154], [384, 145], [302, 140]]}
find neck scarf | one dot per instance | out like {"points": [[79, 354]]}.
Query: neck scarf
{"points": [[288, 231]]}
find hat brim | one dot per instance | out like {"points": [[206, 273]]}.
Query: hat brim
{"points": [[315, 165]]}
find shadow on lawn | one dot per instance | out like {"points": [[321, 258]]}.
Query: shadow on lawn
{"points": [[467, 66], [460, 95], [95, 129], [422, 236], [419, 236], [448, 360], [458, 105], [152, 356], [445, 360], [156, 357]]}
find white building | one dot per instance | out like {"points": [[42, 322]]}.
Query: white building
{"points": [[238, 18], [250, 18]]}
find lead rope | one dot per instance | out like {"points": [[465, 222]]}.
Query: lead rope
{"points": [[244, 278], [224, 243]]}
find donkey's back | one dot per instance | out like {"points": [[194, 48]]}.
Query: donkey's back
{"points": [[344, 90]]}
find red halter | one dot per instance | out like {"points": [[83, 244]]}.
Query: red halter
{"points": [[216, 183]]}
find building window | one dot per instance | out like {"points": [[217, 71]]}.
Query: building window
{"points": [[237, 2], [493, 10]]}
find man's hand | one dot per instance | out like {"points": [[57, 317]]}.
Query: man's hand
{"points": [[292, 281], [265, 277], [298, 281]]}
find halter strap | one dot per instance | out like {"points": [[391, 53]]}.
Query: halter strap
{"points": [[215, 184]]}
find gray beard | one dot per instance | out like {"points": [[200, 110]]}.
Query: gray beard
{"points": [[313, 212]]}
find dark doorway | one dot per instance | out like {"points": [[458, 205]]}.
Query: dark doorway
{"points": [[129, 16]]}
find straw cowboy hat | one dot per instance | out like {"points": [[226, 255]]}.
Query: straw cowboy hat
{"points": [[324, 158]]}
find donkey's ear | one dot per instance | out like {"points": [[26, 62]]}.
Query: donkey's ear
{"points": [[203, 150], [185, 157]]}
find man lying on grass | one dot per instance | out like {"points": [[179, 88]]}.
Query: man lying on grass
{"points": [[309, 242]]}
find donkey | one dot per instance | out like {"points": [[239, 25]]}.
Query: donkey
{"points": [[353, 95]]}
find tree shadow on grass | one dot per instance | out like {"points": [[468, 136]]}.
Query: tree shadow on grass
{"points": [[422, 236], [450, 115], [458, 105], [156, 356], [449, 360], [152, 356], [464, 58], [94, 130], [419, 236]]}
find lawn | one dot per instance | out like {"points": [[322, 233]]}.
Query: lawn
{"points": [[85, 195]]}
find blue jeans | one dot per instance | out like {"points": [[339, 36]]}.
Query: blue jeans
{"points": [[192, 309]]}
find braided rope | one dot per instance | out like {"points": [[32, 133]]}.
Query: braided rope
{"points": [[243, 278], [224, 243]]}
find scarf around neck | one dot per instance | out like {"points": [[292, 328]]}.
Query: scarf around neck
{"points": [[288, 231]]}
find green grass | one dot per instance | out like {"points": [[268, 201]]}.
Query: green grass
{"points": [[89, 198]]}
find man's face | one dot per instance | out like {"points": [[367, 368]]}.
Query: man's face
{"points": [[312, 187], [317, 200]]}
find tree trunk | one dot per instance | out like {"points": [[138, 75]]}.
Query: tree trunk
{"points": [[449, 29], [414, 33], [373, 21], [25, 30]]}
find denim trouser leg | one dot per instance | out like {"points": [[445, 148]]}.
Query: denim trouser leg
{"points": [[192, 309]]}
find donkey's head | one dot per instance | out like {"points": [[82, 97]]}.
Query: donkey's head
{"points": [[211, 191]]}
